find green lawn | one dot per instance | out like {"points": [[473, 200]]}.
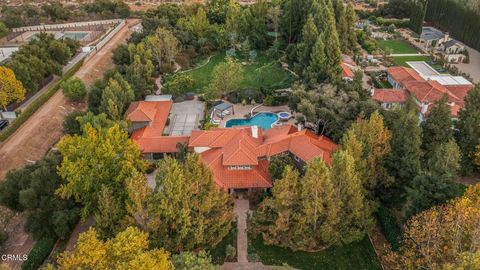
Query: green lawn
{"points": [[397, 46], [264, 72], [402, 60], [358, 256]]}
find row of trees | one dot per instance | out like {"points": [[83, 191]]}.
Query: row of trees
{"points": [[453, 15], [330, 204], [55, 12], [129, 249], [40, 58], [315, 47]]}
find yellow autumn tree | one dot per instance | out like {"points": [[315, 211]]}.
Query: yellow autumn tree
{"points": [[444, 237], [127, 250], [11, 89], [368, 142]]}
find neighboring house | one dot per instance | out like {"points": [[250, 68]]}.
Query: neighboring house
{"points": [[347, 73], [390, 98], [451, 49], [425, 89]]}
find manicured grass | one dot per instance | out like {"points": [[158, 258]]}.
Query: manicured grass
{"points": [[397, 46], [263, 72], [359, 255], [219, 253], [402, 60]]}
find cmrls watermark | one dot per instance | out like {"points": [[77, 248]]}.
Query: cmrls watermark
{"points": [[14, 257]]}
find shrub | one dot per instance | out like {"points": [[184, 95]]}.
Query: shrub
{"points": [[74, 89], [269, 101], [71, 125], [39, 253], [390, 227], [277, 165], [231, 252]]}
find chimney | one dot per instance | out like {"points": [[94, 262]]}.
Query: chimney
{"points": [[299, 127], [255, 132]]}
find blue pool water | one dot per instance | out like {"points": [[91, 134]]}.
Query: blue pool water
{"points": [[263, 120]]}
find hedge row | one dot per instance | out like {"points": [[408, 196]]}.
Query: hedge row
{"points": [[390, 227], [30, 110], [39, 253]]}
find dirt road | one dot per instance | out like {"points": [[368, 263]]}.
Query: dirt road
{"points": [[40, 133]]}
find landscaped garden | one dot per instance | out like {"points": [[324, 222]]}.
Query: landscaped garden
{"points": [[357, 255], [397, 46], [263, 72], [220, 253]]}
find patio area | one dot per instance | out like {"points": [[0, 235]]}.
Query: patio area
{"points": [[239, 111]]}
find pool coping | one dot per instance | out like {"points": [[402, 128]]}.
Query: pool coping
{"points": [[224, 124]]}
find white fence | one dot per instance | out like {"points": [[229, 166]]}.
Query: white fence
{"points": [[47, 27], [106, 39]]}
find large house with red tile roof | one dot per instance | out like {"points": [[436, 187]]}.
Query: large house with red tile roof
{"points": [[238, 157], [425, 89]]}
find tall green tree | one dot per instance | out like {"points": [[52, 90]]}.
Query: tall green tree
{"points": [[164, 46], [323, 15], [320, 209], [309, 39], [226, 78], [116, 96], [403, 162], [32, 190], [139, 71], [435, 184], [350, 35], [437, 129], [186, 210], [368, 142], [355, 218], [315, 72], [468, 129], [295, 13], [100, 157]]}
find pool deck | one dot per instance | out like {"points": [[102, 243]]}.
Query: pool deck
{"points": [[242, 112]]}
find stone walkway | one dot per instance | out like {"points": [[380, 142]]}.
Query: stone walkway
{"points": [[241, 209]]}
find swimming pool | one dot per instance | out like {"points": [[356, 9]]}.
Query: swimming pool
{"points": [[263, 120]]}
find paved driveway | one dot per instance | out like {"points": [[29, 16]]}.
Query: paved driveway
{"points": [[185, 117]]}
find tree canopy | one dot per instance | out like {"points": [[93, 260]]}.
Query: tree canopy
{"points": [[11, 89]]}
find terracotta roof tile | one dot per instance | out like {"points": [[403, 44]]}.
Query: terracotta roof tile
{"points": [[347, 71], [403, 74], [390, 95]]}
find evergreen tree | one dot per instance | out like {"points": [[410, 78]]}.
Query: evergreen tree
{"points": [[350, 34], [116, 97], [283, 209], [437, 129], [342, 24], [403, 162], [316, 72], [295, 13], [309, 38], [187, 211], [320, 209], [368, 141], [435, 184], [355, 217], [469, 129], [417, 15], [325, 21]]}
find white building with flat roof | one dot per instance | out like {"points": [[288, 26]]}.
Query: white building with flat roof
{"points": [[430, 74]]}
